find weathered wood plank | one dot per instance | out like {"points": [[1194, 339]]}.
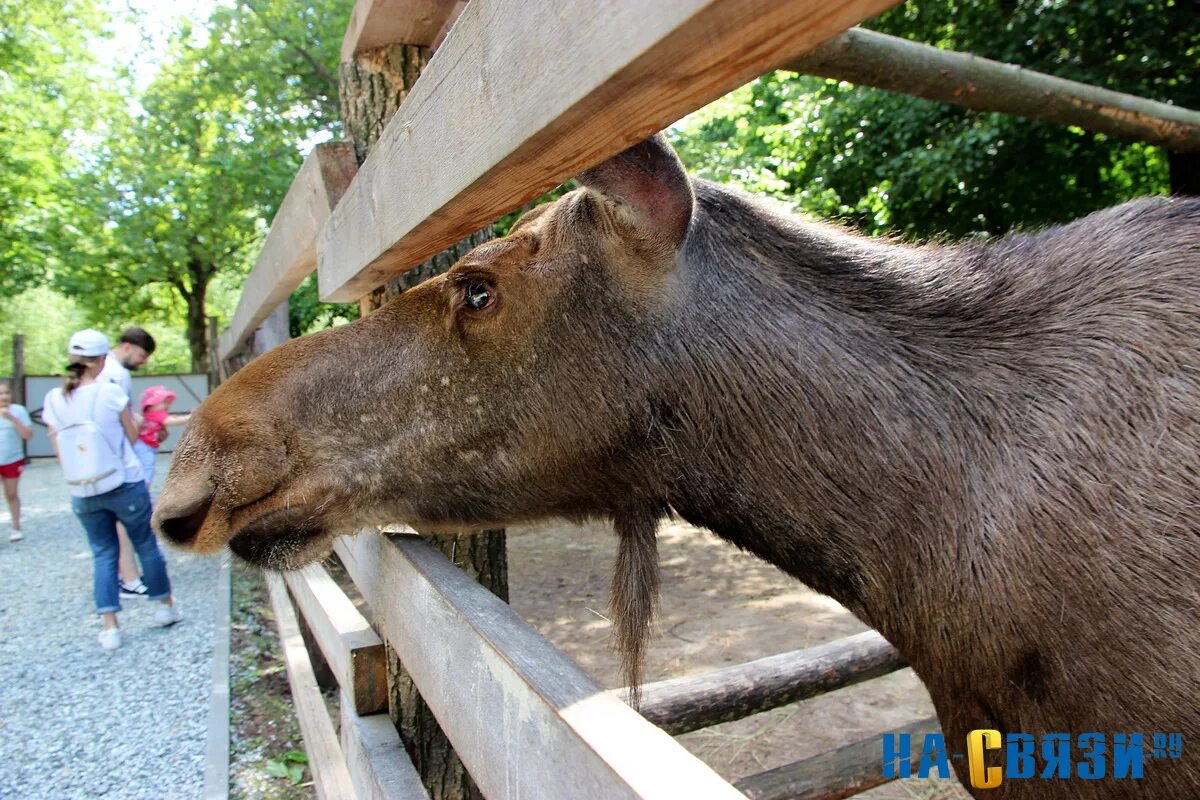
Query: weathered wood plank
{"points": [[680, 705], [375, 756], [523, 95], [875, 59], [330, 776], [216, 749], [289, 255], [523, 717], [354, 651], [833, 775], [375, 23], [451, 18]]}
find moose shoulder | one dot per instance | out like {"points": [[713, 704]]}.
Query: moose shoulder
{"points": [[989, 452]]}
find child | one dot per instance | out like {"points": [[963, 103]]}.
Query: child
{"points": [[155, 408], [15, 430]]}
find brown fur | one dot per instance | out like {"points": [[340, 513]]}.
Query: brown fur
{"points": [[989, 452]]}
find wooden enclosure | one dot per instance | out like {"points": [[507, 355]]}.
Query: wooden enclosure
{"points": [[486, 128]]}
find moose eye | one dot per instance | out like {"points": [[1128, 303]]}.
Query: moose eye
{"points": [[477, 295]]}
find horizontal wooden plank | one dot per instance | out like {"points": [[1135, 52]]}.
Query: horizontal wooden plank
{"points": [[325, 760], [216, 750], [379, 766], [687, 704], [289, 253], [834, 775], [375, 23], [354, 651], [875, 59], [524, 719], [523, 95]]}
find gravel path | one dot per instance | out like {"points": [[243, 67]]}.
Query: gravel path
{"points": [[75, 721]]}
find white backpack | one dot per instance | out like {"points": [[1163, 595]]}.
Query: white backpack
{"points": [[88, 461]]}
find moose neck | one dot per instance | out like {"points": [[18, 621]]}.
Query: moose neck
{"points": [[817, 430]]}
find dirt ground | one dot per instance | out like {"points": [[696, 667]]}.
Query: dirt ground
{"points": [[719, 607]]}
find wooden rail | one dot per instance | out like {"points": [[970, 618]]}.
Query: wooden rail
{"points": [[489, 126], [378, 23], [536, 726], [379, 766], [330, 776], [867, 58], [352, 648], [289, 253], [687, 704], [832, 775], [367, 761]]}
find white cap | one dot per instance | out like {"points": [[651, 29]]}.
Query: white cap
{"points": [[88, 343]]}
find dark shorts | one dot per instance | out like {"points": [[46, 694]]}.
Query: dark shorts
{"points": [[12, 470]]}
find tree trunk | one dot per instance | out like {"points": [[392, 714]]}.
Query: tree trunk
{"points": [[197, 325], [371, 88]]}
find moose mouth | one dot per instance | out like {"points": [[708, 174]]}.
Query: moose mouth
{"points": [[281, 539]]}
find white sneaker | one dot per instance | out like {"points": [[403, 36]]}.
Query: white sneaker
{"points": [[16, 536], [167, 615], [110, 638]]}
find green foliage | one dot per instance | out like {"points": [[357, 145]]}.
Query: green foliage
{"points": [[48, 318], [306, 312], [290, 766], [180, 192], [889, 162], [48, 106]]}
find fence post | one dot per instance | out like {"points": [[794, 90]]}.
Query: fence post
{"points": [[18, 368], [372, 83], [214, 355], [273, 331]]}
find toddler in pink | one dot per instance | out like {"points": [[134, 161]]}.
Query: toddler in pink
{"points": [[155, 411]]}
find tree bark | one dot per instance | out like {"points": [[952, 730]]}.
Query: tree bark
{"points": [[371, 88], [18, 368], [197, 325]]}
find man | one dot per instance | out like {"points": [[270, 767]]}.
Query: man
{"points": [[133, 350]]}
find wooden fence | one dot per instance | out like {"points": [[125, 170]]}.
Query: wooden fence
{"points": [[486, 128]]}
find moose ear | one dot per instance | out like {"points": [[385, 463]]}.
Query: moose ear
{"points": [[650, 181]]}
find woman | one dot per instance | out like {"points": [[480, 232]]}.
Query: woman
{"points": [[15, 430], [92, 430]]}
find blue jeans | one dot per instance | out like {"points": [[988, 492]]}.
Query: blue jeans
{"points": [[145, 456], [129, 505]]}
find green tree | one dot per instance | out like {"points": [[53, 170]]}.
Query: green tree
{"points": [[886, 161], [48, 103], [183, 188]]}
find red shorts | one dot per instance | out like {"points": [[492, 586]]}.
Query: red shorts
{"points": [[12, 470]]}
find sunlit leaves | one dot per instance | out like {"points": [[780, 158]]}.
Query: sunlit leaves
{"points": [[886, 161]]}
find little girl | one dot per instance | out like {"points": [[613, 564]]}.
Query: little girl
{"points": [[155, 408], [15, 429]]}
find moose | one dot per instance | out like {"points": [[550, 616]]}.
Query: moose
{"points": [[989, 451]]}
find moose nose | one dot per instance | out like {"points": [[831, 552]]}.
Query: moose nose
{"points": [[181, 521]]}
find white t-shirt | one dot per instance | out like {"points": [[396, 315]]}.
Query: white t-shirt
{"points": [[12, 446], [109, 401], [114, 372]]}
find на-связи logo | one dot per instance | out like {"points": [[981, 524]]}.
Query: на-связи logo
{"points": [[1023, 756]]}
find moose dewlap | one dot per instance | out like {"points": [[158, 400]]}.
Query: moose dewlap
{"points": [[988, 452]]}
